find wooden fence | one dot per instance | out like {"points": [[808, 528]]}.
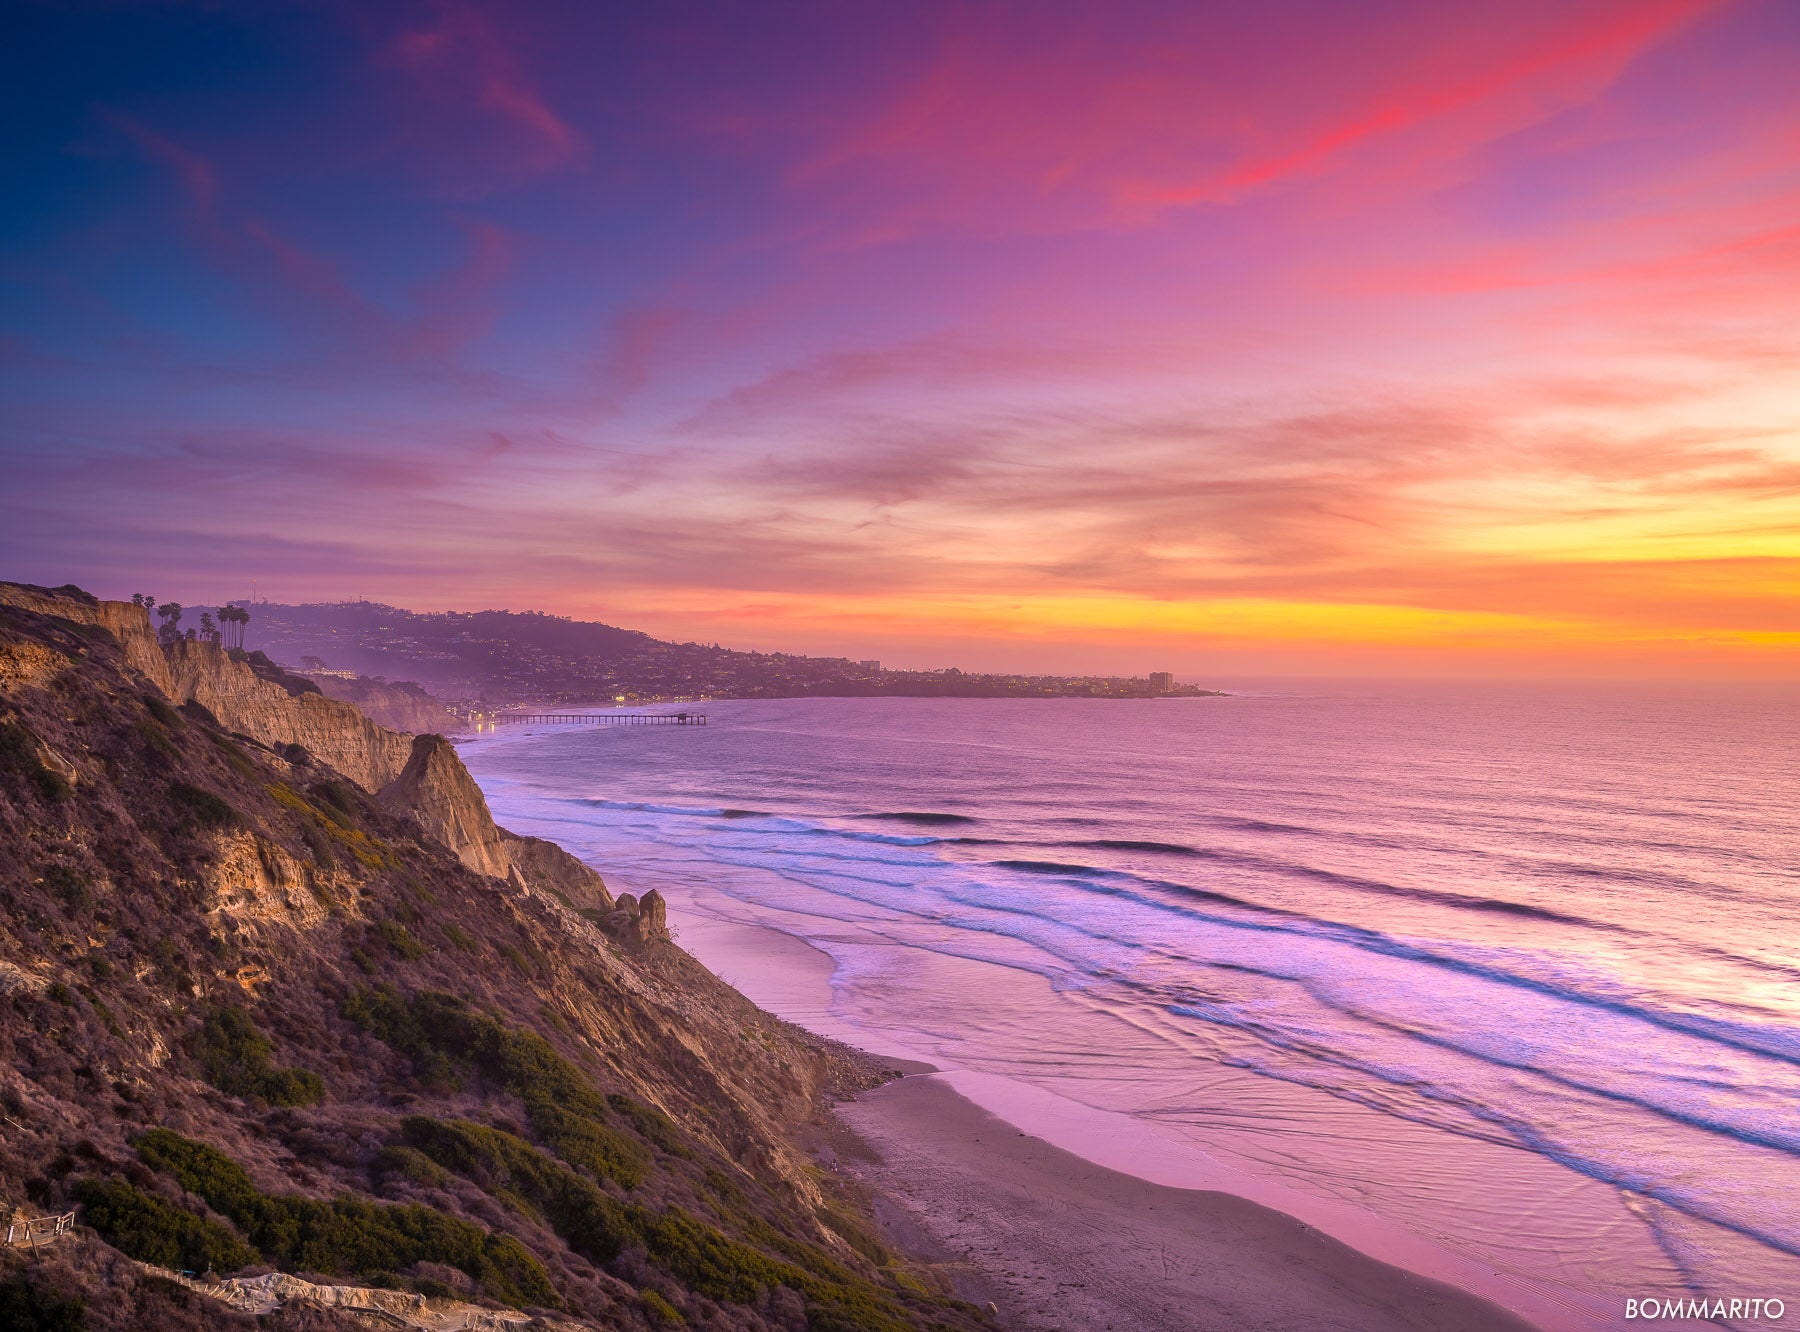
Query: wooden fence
{"points": [[27, 1231]]}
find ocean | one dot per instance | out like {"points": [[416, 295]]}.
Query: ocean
{"points": [[1499, 981]]}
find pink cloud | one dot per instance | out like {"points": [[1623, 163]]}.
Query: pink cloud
{"points": [[1103, 125], [460, 64]]}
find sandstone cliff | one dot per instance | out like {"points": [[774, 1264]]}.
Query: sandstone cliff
{"points": [[127, 623], [437, 791], [252, 1018], [203, 673], [399, 707], [331, 731], [422, 777]]}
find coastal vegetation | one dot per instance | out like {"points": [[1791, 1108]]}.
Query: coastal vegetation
{"points": [[253, 1014], [235, 1057]]}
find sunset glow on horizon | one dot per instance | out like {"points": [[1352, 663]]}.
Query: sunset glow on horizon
{"points": [[1223, 338]]}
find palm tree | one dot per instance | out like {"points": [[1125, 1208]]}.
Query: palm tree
{"points": [[233, 619], [170, 615], [208, 630]]}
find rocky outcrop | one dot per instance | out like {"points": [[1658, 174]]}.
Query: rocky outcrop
{"points": [[435, 789], [639, 920], [261, 1295], [27, 665], [252, 878], [128, 623], [545, 867]]}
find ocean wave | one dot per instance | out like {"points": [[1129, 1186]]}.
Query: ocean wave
{"points": [[927, 817], [1129, 844], [645, 807], [1435, 896], [1182, 900], [1104, 878], [1517, 1127]]}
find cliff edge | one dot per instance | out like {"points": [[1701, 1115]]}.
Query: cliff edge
{"points": [[421, 776], [436, 790], [253, 1017]]}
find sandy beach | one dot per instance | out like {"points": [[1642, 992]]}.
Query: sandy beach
{"points": [[1058, 1243]]}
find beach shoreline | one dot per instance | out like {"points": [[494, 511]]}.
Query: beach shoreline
{"points": [[1060, 1242]]}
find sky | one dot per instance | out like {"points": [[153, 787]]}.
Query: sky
{"points": [[1220, 336]]}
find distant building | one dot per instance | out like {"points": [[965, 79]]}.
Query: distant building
{"points": [[869, 665], [1162, 681]]}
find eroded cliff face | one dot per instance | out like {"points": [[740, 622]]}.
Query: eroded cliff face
{"points": [[399, 707], [332, 731], [129, 624], [251, 1018], [251, 878], [437, 790], [417, 775]]}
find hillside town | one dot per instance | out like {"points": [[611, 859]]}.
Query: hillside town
{"points": [[488, 659]]}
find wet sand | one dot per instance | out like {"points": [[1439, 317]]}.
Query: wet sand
{"points": [[1057, 1242]]}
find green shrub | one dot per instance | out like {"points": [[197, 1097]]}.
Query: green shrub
{"points": [[856, 1233], [460, 938], [200, 807], [410, 1163], [162, 711], [72, 885], [506, 1166], [151, 1230], [24, 1308], [332, 820], [661, 1310], [234, 1054], [587, 1143], [722, 1268], [233, 755], [318, 841], [348, 1235], [292, 1086], [105, 1012], [401, 940], [337, 794], [651, 1124], [567, 1112]]}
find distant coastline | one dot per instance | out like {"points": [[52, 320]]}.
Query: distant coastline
{"points": [[486, 660]]}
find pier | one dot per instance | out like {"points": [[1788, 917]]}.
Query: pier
{"points": [[606, 718]]}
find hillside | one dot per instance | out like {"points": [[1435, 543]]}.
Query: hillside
{"points": [[512, 657], [277, 995]]}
